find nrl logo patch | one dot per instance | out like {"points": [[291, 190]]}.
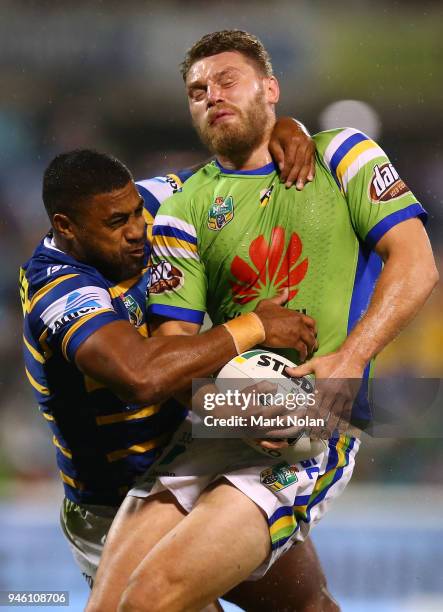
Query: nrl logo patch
{"points": [[134, 310], [386, 184], [279, 477], [220, 213]]}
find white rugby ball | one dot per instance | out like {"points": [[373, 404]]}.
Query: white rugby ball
{"points": [[260, 365]]}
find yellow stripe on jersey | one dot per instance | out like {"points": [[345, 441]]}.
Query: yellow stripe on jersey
{"points": [[24, 289], [76, 484], [44, 290], [149, 219], [45, 346], [128, 416], [36, 385], [78, 324], [137, 448], [37, 356], [67, 453], [176, 178], [169, 241], [143, 330], [352, 155], [47, 416], [118, 290]]}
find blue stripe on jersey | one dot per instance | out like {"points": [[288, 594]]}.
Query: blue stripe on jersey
{"points": [[84, 331], [369, 266], [343, 149], [268, 169], [173, 232], [177, 313], [151, 203], [183, 175], [380, 229]]}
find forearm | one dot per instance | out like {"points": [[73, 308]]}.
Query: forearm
{"points": [[403, 287]]}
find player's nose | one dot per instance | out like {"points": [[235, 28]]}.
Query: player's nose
{"points": [[213, 94], [135, 231]]}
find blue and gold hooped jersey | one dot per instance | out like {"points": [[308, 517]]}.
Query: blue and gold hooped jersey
{"points": [[102, 444]]}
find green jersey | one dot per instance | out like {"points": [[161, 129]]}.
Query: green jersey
{"points": [[232, 238]]}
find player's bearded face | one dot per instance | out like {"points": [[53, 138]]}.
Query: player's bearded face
{"points": [[244, 132]]}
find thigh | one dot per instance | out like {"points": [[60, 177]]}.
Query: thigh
{"points": [[215, 547], [138, 526]]}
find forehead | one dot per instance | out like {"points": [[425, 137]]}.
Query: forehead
{"points": [[210, 67], [118, 200]]}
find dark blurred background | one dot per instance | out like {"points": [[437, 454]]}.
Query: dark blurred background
{"points": [[105, 75]]}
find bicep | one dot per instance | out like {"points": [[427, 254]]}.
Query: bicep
{"points": [[108, 355], [168, 327], [407, 240]]}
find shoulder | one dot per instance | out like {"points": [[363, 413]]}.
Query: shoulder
{"points": [[346, 150]]}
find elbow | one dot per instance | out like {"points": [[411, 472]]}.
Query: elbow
{"points": [[146, 389], [430, 278]]}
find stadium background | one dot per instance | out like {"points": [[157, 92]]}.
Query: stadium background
{"points": [[104, 75]]}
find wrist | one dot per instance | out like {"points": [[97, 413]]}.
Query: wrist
{"points": [[354, 354], [246, 331]]}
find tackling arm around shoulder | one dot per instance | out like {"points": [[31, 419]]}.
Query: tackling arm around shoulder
{"points": [[150, 370]]}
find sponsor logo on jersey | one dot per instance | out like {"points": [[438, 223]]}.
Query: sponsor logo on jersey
{"points": [[77, 305], [165, 277], [53, 269], [279, 477], [271, 264], [386, 184], [220, 213], [74, 305], [265, 196], [134, 310]]}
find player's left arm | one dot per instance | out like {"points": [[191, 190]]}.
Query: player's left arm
{"points": [[390, 224]]}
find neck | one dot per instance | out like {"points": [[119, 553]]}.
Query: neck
{"points": [[251, 159], [248, 161]]}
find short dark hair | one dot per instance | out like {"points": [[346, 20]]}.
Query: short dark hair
{"points": [[228, 40], [73, 177]]}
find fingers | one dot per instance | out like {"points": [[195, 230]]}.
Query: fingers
{"points": [[311, 173], [299, 164], [302, 370], [293, 163], [305, 171], [272, 444], [277, 153], [281, 298]]}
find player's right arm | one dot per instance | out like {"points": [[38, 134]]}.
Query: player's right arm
{"points": [[150, 370]]}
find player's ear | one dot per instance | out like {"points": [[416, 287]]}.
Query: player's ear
{"points": [[63, 225], [272, 90]]}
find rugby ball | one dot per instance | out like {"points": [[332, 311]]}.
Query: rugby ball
{"points": [[260, 365]]}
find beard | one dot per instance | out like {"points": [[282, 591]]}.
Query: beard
{"points": [[236, 141]]}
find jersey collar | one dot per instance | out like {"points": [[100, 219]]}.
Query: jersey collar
{"points": [[271, 167]]}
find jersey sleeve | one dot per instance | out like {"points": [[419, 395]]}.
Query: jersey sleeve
{"points": [[156, 190], [67, 310], [377, 197], [177, 283]]}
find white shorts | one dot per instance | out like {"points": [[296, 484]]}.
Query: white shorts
{"points": [[293, 497]]}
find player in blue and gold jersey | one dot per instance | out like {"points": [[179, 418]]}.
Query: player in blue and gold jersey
{"points": [[97, 378]]}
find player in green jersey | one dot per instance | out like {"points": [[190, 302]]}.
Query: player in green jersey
{"points": [[241, 236]]}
